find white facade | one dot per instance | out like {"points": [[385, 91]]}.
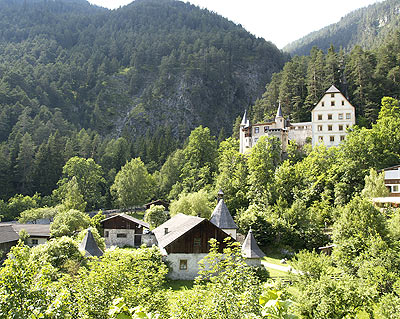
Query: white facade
{"points": [[331, 118], [184, 266], [392, 180], [34, 241], [230, 232]]}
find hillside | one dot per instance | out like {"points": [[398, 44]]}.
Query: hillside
{"points": [[75, 78], [367, 27]]}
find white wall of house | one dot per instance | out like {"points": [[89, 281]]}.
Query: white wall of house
{"points": [[231, 232], [330, 118], [119, 237], [34, 241], [300, 132], [177, 261]]}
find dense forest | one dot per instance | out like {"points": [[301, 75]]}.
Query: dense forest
{"points": [[366, 27], [80, 80], [364, 77]]}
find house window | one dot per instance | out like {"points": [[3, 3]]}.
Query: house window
{"points": [[197, 242], [332, 94], [340, 127], [266, 128], [340, 116], [332, 103], [347, 125], [329, 116], [322, 103], [342, 102], [183, 264], [121, 235], [342, 138], [329, 127], [319, 117], [256, 130], [332, 138], [348, 116], [255, 140], [320, 139], [35, 242], [106, 234], [319, 127], [395, 188]]}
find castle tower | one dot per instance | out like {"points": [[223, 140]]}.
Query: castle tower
{"points": [[279, 119], [245, 134]]}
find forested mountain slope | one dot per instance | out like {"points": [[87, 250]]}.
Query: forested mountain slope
{"points": [[75, 77], [366, 27]]}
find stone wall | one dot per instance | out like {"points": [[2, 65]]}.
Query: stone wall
{"points": [[113, 240], [192, 269]]}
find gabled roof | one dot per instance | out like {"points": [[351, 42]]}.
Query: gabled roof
{"points": [[333, 89], [279, 111], [221, 217], [176, 227], [8, 234], [250, 248], [130, 218], [34, 230], [89, 245]]}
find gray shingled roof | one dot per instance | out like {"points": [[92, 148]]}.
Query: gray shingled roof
{"points": [[333, 89], [221, 217], [250, 248], [89, 245], [177, 226], [130, 218], [34, 230], [279, 111], [8, 234]]}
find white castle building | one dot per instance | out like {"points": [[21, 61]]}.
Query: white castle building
{"points": [[330, 118]]}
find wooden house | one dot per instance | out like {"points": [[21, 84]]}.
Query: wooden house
{"points": [[184, 241]]}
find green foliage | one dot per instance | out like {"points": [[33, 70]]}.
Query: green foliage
{"points": [[195, 204], [73, 198], [67, 222], [274, 306], [155, 216], [119, 310], [133, 185], [23, 236], [33, 214], [375, 185]]}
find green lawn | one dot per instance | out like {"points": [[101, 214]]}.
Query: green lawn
{"points": [[274, 273], [273, 260], [177, 285]]}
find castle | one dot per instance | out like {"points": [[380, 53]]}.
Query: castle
{"points": [[330, 118]]}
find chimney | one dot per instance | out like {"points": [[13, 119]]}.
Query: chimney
{"points": [[165, 231], [220, 195]]}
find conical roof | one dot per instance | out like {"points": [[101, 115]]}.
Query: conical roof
{"points": [[333, 89], [221, 217], [244, 119], [279, 111], [250, 248], [89, 245]]}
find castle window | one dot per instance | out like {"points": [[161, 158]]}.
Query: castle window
{"points": [[342, 138], [319, 117], [342, 102], [319, 127], [340, 116], [183, 264], [395, 188], [347, 125], [266, 128], [332, 94], [256, 130], [329, 127], [329, 116], [340, 127], [322, 103], [332, 138], [348, 116], [320, 139], [332, 103]]}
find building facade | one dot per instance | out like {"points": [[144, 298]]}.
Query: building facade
{"points": [[392, 180], [330, 118]]}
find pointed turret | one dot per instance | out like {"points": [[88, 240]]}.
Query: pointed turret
{"points": [[221, 217], [279, 111], [250, 249], [245, 121], [89, 245]]}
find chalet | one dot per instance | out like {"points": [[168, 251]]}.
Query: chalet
{"points": [[158, 202], [123, 230], [251, 251], [89, 246], [184, 241], [9, 234]]}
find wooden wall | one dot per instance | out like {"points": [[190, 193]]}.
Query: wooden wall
{"points": [[119, 222], [196, 240]]}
